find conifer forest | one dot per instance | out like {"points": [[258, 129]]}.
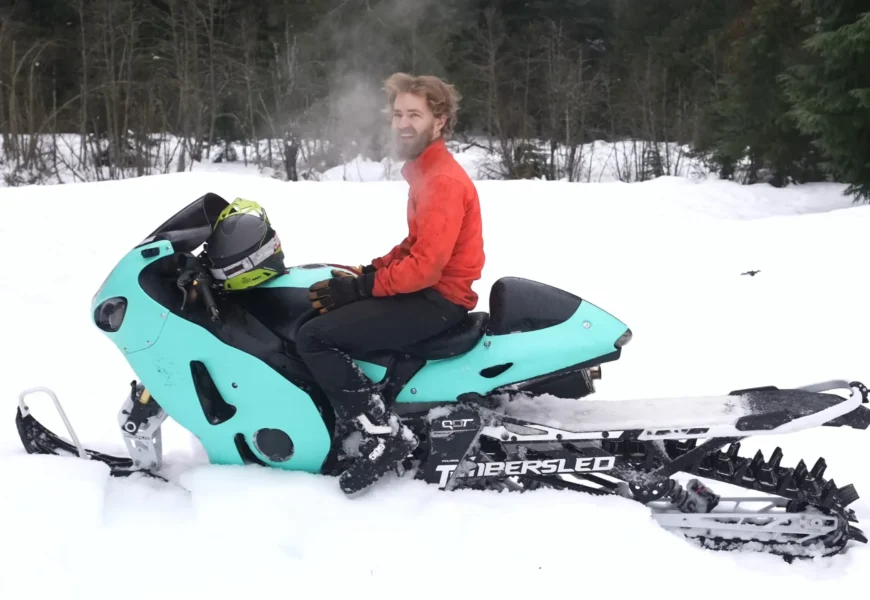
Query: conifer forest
{"points": [[774, 91]]}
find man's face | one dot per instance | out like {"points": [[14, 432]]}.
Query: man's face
{"points": [[414, 125]]}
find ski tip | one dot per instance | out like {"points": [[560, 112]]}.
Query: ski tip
{"points": [[865, 391]]}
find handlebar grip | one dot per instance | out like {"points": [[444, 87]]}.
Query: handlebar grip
{"points": [[209, 301]]}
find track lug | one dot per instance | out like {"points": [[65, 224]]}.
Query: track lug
{"points": [[818, 470], [846, 495], [739, 474], [785, 482], [704, 464], [724, 461], [758, 461], [800, 472], [766, 476], [733, 449], [828, 494], [775, 459]]}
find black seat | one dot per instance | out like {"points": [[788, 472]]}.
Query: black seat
{"points": [[457, 340]]}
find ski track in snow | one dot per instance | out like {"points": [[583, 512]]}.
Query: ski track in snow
{"points": [[665, 257]]}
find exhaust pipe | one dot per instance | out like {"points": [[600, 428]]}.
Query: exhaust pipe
{"points": [[595, 372]]}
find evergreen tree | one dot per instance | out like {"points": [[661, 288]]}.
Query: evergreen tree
{"points": [[830, 91], [749, 120]]}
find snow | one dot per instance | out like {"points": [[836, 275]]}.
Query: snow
{"points": [[665, 256], [633, 413]]}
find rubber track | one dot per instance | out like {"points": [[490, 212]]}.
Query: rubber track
{"points": [[802, 485], [767, 475]]}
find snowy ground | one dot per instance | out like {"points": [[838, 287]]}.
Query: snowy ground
{"points": [[664, 256]]}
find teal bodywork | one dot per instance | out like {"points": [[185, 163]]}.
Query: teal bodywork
{"points": [[160, 346], [588, 334]]}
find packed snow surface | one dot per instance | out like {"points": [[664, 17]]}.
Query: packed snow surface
{"points": [[634, 413], [669, 257]]}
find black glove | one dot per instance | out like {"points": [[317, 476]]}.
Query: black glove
{"points": [[343, 289]]}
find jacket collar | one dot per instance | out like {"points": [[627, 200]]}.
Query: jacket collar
{"points": [[414, 169]]}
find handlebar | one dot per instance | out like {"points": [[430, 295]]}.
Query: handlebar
{"points": [[193, 273], [208, 298]]}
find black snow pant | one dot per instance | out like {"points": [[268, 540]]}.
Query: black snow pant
{"points": [[326, 342]]}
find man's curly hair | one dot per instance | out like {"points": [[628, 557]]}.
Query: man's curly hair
{"points": [[442, 97]]}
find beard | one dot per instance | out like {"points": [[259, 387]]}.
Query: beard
{"points": [[411, 148]]}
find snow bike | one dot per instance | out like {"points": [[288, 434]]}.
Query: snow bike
{"points": [[223, 365]]}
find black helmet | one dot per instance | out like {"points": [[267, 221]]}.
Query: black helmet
{"points": [[243, 250]]}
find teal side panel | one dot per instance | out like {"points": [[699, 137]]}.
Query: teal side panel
{"points": [[588, 334], [262, 397], [160, 346], [150, 316], [374, 372]]}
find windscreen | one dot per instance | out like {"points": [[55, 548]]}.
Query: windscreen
{"points": [[190, 227]]}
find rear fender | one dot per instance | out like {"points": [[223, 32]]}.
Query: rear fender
{"points": [[588, 335]]}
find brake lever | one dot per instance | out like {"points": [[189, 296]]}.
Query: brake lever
{"points": [[183, 280], [207, 296]]}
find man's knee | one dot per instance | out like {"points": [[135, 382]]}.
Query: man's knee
{"points": [[312, 336]]}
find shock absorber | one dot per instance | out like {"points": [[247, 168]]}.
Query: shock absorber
{"points": [[694, 498]]}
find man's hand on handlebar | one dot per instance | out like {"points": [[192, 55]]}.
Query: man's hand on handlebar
{"points": [[195, 281]]}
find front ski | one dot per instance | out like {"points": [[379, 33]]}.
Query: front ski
{"points": [[140, 424]]}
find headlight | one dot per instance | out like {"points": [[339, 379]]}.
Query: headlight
{"points": [[623, 339], [110, 314]]}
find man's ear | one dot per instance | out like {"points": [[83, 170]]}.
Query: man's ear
{"points": [[440, 122]]}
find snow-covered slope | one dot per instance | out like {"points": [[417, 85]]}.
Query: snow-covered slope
{"points": [[666, 257]]}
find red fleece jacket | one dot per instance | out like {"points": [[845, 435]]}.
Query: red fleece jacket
{"points": [[444, 246]]}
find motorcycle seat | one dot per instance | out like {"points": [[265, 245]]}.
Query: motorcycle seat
{"points": [[457, 340]]}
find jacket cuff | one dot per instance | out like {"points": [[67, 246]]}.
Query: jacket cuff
{"points": [[366, 283]]}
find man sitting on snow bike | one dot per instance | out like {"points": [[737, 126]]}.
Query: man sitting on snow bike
{"points": [[421, 288]]}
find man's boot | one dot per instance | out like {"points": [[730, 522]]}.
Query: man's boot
{"points": [[386, 442]]}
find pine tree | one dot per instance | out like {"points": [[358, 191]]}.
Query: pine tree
{"points": [[830, 91], [749, 120]]}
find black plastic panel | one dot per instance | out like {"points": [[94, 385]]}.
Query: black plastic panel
{"points": [[245, 453], [214, 407], [457, 340], [518, 305], [274, 444], [769, 409], [191, 226], [281, 309]]}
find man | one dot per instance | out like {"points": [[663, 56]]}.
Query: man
{"points": [[419, 289]]}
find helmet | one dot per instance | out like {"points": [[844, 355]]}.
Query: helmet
{"points": [[243, 250]]}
